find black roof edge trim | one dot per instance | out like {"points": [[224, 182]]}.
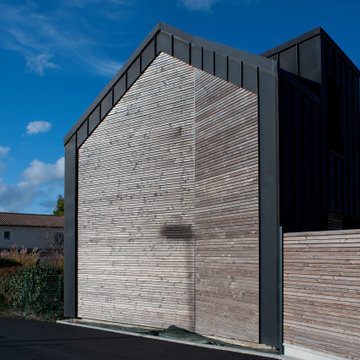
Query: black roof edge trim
{"points": [[307, 36], [256, 60]]}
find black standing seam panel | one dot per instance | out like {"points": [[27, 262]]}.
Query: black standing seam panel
{"points": [[148, 55], [82, 133], [94, 119], [356, 145], [323, 139], [234, 71], [195, 56], [307, 164], [119, 89], [298, 155], [350, 141], [288, 60], [106, 104], [316, 120], [221, 66], [70, 246], [208, 61], [270, 262], [133, 72], [345, 132], [249, 77], [163, 43], [286, 153], [181, 50]]}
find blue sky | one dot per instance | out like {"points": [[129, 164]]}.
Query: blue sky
{"points": [[57, 55]]}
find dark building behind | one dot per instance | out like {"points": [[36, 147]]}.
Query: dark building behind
{"points": [[319, 134]]}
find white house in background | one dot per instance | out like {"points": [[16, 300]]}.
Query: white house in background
{"points": [[30, 230]]}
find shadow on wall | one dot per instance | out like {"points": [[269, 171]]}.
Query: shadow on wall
{"points": [[177, 232]]}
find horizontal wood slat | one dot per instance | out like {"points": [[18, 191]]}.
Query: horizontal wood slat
{"points": [[322, 291], [176, 127]]}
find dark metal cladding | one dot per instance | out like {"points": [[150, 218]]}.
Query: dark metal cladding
{"points": [[94, 119], [310, 59], [196, 56], [148, 55], [221, 66], [234, 72], [181, 50], [249, 77], [288, 60], [119, 88], [133, 72], [82, 133], [208, 61], [70, 229], [106, 104], [270, 262], [163, 42]]}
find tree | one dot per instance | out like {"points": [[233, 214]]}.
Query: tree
{"points": [[59, 210]]}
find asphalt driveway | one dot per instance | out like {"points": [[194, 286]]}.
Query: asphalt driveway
{"points": [[35, 340]]}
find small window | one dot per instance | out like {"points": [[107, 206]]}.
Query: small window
{"points": [[6, 235]]}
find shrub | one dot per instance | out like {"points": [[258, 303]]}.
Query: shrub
{"points": [[23, 256], [6, 262], [6, 290], [40, 283]]}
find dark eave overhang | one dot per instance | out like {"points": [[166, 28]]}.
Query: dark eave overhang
{"points": [[319, 31], [231, 64]]}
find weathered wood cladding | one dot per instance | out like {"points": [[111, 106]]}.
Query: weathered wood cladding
{"points": [[136, 182], [321, 291], [168, 184], [226, 210]]}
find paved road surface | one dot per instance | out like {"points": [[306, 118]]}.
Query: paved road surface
{"points": [[35, 340]]}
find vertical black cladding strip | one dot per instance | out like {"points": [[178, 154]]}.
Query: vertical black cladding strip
{"points": [[316, 145], [307, 164], [298, 163], [70, 235], [350, 141], [345, 134], [323, 136], [356, 144], [270, 262]]}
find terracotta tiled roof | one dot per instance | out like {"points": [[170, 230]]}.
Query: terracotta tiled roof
{"points": [[16, 219]]}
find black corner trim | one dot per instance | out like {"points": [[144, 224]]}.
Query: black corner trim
{"points": [[70, 233]]}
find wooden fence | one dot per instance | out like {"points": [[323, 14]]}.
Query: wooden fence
{"points": [[322, 292]]}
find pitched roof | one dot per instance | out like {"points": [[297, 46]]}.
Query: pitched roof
{"points": [[31, 220], [233, 65]]}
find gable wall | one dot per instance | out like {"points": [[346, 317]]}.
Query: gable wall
{"points": [[168, 185]]}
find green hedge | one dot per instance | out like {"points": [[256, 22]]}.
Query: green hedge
{"points": [[5, 263], [39, 283]]}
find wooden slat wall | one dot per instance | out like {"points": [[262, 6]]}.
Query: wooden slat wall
{"points": [[226, 209], [322, 291], [136, 204], [137, 223]]}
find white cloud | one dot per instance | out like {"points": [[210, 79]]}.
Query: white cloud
{"points": [[4, 150], [199, 4], [47, 39], [39, 172], [41, 183], [38, 63], [36, 127]]}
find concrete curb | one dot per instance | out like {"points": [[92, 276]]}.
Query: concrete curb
{"points": [[222, 348]]}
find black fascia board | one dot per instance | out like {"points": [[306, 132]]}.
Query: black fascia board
{"points": [[252, 59], [307, 36]]}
